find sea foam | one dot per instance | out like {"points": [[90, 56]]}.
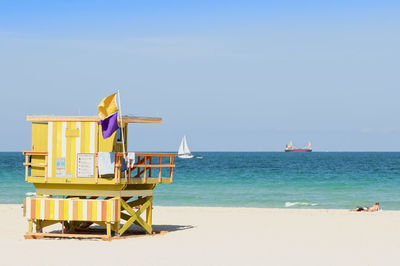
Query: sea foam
{"points": [[291, 204]]}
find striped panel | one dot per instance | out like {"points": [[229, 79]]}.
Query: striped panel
{"points": [[72, 209], [63, 145]]}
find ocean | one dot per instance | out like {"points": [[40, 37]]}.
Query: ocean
{"points": [[320, 180]]}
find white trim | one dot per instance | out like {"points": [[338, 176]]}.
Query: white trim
{"points": [[56, 209], [42, 208], [50, 149], [28, 208], [84, 210], [92, 140], [98, 214], [112, 214], [64, 141], [70, 210]]}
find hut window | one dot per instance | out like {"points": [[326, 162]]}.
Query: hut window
{"points": [[119, 135]]}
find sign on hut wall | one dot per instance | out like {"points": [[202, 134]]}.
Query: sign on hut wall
{"points": [[85, 165], [60, 167]]}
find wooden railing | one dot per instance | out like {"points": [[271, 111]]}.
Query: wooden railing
{"points": [[146, 165], [28, 162]]}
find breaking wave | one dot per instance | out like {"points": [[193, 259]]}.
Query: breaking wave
{"points": [[292, 204]]}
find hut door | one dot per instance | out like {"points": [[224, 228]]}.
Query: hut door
{"points": [[39, 143], [39, 137]]}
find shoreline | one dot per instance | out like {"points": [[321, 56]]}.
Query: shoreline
{"points": [[245, 207], [223, 236]]}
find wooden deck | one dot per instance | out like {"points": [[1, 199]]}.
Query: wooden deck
{"points": [[91, 235], [149, 168]]}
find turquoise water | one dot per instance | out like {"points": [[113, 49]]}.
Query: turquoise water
{"points": [[260, 179]]}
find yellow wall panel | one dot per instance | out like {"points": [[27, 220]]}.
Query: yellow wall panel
{"points": [[96, 136], [54, 145], [80, 210], [72, 143], [106, 145], [39, 136], [83, 137], [51, 209], [58, 148], [67, 159]]}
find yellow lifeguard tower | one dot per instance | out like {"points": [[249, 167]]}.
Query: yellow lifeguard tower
{"points": [[68, 166]]}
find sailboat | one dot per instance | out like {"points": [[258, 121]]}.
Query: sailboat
{"points": [[184, 151]]}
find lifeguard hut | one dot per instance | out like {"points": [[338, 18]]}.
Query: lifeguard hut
{"points": [[68, 166]]}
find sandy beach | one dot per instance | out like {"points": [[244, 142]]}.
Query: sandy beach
{"points": [[221, 236]]}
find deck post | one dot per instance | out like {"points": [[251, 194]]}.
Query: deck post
{"points": [[159, 170], [96, 167], [145, 170], [108, 224], [171, 169], [39, 228], [45, 167], [26, 167], [30, 226], [149, 211]]}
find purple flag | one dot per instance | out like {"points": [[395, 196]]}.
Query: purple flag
{"points": [[109, 125]]}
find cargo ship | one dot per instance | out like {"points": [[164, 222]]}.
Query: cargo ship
{"points": [[289, 148]]}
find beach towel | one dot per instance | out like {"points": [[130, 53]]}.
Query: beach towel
{"points": [[106, 163], [131, 158]]}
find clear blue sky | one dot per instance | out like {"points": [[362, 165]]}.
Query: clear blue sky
{"points": [[231, 75]]}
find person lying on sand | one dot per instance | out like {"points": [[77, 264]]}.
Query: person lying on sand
{"points": [[374, 208]]}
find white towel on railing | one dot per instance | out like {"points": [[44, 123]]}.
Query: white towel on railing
{"points": [[131, 159], [106, 163]]}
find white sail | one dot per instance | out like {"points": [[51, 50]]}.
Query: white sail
{"points": [[185, 146], [181, 147], [183, 151]]}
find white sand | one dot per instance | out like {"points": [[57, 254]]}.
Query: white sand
{"points": [[221, 236]]}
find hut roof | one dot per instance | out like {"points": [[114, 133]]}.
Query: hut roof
{"points": [[125, 119]]}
